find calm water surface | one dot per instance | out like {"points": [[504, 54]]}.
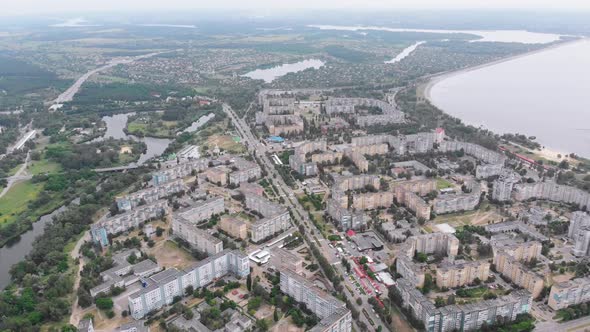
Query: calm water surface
{"points": [[545, 94], [270, 74]]}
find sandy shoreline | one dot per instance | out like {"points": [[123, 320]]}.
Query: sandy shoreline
{"points": [[426, 87]]}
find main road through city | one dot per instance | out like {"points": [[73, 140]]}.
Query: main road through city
{"points": [[259, 150]]}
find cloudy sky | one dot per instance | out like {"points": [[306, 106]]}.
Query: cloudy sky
{"points": [[10, 7]]}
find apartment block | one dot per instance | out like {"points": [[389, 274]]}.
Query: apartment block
{"points": [[198, 239], [123, 273], [419, 187], [417, 205], [284, 124], [518, 273], [269, 226], [149, 195], [344, 218], [410, 271], [234, 227], [552, 191], [263, 206], [247, 171], [456, 202], [579, 232], [163, 287], [283, 259], [344, 183], [467, 317], [488, 170], [327, 158], [441, 243], [568, 293], [125, 221], [298, 163], [217, 175], [370, 201], [202, 210], [333, 314], [460, 273], [358, 160], [521, 251], [371, 150], [379, 120], [474, 150], [179, 171]]}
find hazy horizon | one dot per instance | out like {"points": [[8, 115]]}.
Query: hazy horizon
{"points": [[37, 7]]}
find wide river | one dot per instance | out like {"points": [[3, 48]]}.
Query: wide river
{"points": [[543, 94]]}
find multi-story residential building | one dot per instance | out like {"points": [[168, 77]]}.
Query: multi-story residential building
{"points": [[263, 206], [579, 232], [565, 294], [247, 171], [344, 218], [276, 218], [461, 273], [317, 301], [202, 210], [416, 204], [398, 232], [477, 151], [511, 226], [456, 202], [441, 243], [551, 191], [518, 273], [327, 158], [149, 195], [370, 150], [284, 124], [269, 226], [410, 271], [370, 201], [234, 227], [521, 251], [163, 287], [502, 189], [217, 175], [344, 183], [125, 221], [370, 140], [298, 164], [488, 170], [358, 160], [309, 147], [198, 239], [283, 259], [378, 120], [419, 187], [416, 143], [179, 171], [351, 105], [247, 188], [467, 317], [123, 273]]}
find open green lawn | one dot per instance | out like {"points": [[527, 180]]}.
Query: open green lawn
{"points": [[43, 166], [16, 200], [442, 184]]}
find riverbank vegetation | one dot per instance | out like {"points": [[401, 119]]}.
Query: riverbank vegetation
{"points": [[169, 123], [42, 284]]}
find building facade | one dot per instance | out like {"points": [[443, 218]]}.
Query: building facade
{"points": [[163, 287]]}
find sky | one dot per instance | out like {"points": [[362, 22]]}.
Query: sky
{"points": [[20, 7]]}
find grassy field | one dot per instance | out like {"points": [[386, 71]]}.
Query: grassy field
{"points": [[443, 184], [143, 129], [16, 200], [43, 166], [226, 143]]}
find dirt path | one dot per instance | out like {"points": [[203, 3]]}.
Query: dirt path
{"points": [[77, 311], [18, 176]]}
